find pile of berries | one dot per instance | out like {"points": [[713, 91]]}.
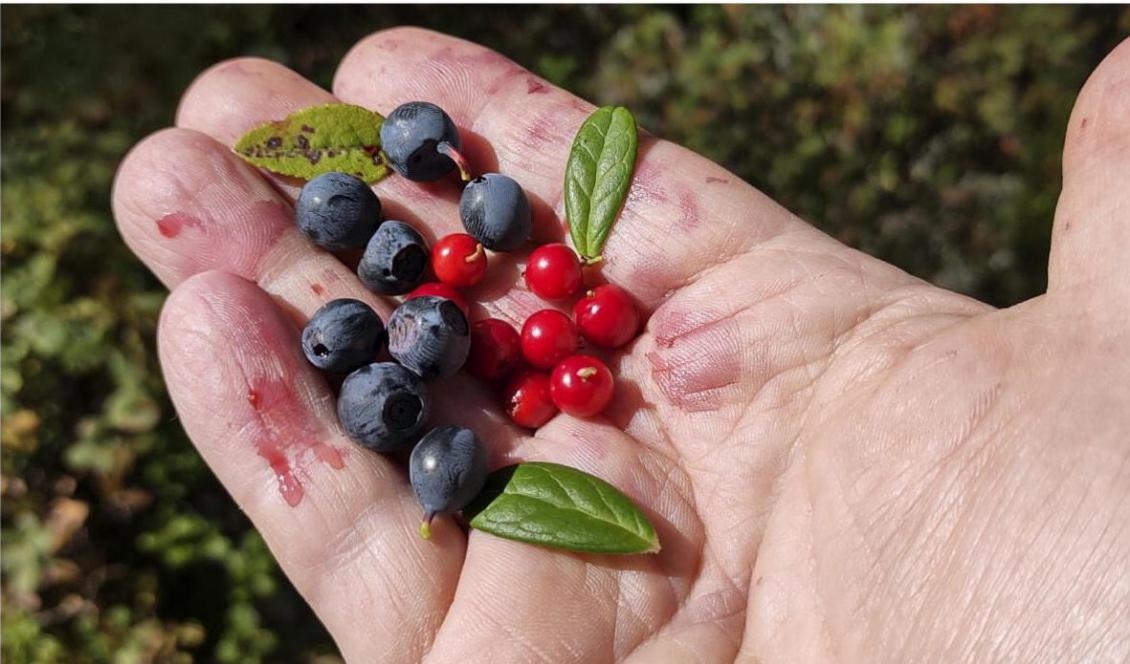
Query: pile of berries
{"points": [[385, 405]]}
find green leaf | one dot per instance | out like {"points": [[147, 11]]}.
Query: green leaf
{"points": [[319, 139], [597, 177], [561, 507]]}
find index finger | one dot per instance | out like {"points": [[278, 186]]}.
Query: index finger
{"points": [[662, 239]]}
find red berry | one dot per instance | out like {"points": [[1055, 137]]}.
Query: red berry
{"points": [[459, 260], [581, 386], [607, 316], [441, 290], [548, 337], [496, 348], [554, 272], [527, 399]]}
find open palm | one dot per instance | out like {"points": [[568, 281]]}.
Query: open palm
{"points": [[842, 461]]}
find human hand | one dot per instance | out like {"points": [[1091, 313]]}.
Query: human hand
{"points": [[842, 461]]}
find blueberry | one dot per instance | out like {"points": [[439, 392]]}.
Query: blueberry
{"points": [[395, 259], [421, 142], [448, 468], [383, 406], [337, 211], [430, 336], [495, 210], [342, 336]]}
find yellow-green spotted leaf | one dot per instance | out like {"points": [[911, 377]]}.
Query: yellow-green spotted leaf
{"points": [[561, 507], [319, 139]]}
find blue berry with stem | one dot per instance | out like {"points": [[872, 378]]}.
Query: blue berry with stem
{"points": [[448, 468], [495, 211], [422, 143]]}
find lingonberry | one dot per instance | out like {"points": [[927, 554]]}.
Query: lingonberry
{"points": [[459, 260], [527, 400], [496, 348], [607, 317], [581, 386], [438, 289], [554, 272], [548, 337]]}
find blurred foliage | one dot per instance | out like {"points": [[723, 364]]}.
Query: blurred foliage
{"points": [[929, 136]]}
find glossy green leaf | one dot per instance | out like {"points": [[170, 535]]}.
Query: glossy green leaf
{"points": [[598, 175], [557, 506], [319, 139]]}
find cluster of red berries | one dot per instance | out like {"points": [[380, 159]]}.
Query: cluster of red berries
{"points": [[539, 370]]}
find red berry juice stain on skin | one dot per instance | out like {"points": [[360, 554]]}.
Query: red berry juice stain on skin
{"points": [[546, 131], [697, 360], [329, 455], [688, 205], [289, 486], [318, 289], [535, 87], [647, 187], [710, 179], [285, 439], [171, 225]]}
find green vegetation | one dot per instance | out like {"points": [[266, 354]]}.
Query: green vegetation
{"points": [[929, 136]]}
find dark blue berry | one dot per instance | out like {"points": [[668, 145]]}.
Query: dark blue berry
{"points": [[342, 336], [383, 406], [448, 468], [421, 142], [496, 212], [337, 211], [395, 259], [430, 336]]}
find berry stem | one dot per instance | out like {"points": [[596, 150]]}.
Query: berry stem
{"points": [[475, 256], [587, 261], [586, 373], [426, 526], [447, 149]]}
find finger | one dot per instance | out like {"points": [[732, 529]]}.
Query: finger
{"points": [[234, 97], [616, 606], [683, 212], [1091, 237], [185, 204], [340, 521]]}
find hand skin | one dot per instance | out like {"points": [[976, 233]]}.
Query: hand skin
{"points": [[844, 463]]}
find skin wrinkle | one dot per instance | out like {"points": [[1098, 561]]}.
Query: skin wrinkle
{"points": [[964, 505], [1048, 569], [913, 508]]}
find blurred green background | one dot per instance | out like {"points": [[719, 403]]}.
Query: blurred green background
{"points": [[930, 136]]}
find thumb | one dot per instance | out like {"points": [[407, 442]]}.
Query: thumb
{"points": [[1091, 237]]}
